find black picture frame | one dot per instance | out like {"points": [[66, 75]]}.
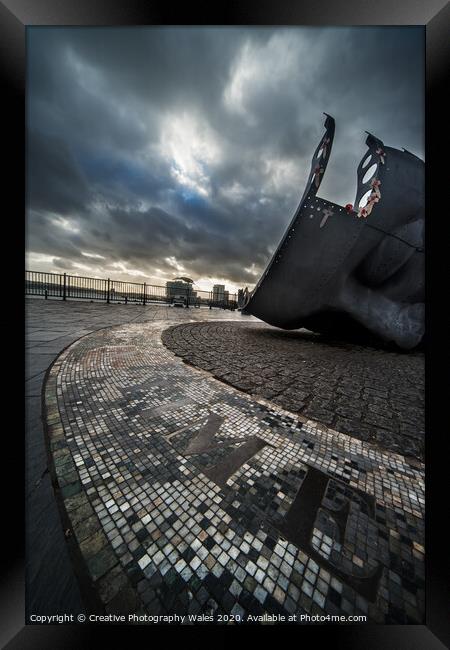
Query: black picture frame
{"points": [[15, 17]]}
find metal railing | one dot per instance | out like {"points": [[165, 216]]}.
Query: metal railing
{"points": [[75, 287]]}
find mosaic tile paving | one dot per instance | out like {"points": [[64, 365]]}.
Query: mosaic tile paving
{"points": [[186, 496], [371, 392]]}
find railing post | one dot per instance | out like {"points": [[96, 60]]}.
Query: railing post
{"points": [[144, 292], [46, 294], [107, 291], [64, 287]]}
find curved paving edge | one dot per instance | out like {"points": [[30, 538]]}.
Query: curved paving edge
{"points": [[73, 505], [51, 325], [185, 496], [373, 394]]}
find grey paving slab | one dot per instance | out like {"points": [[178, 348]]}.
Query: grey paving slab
{"points": [[35, 364], [36, 458], [54, 347], [32, 416], [33, 386], [51, 586], [42, 335]]}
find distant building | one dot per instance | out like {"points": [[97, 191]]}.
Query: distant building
{"points": [[179, 289], [175, 287], [218, 293]]}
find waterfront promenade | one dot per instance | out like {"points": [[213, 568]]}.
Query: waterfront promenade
{"points": [[153, 487]]}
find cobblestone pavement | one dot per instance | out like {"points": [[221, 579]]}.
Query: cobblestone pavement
{"points": [[186, 496], [51, 325], [373, 394]]}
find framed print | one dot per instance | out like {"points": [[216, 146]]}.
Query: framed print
{"points": [[231, 331]]}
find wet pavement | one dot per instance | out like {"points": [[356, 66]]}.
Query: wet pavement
{"points": [[371, 393], [181, 494], [51, 325]]}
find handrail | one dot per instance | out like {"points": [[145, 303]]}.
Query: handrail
{"points": [[66, 286]]}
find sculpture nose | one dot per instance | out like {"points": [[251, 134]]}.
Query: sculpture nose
{"points": [[326, 214]]}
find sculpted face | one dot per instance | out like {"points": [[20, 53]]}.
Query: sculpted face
{"points": [[350, 268]]}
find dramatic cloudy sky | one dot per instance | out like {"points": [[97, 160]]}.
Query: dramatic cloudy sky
{"points": [[155, 152]]}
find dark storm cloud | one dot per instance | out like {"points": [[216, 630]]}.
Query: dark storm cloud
{"points": [[55, 183], [159, 149]]}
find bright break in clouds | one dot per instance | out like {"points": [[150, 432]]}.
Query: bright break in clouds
{"points": [[155, 152]]}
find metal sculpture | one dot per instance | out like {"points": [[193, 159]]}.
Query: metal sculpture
{"points": [[339, 269]]}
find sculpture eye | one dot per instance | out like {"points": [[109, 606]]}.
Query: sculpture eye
{"points": [[364, 199], [369, 173], [367, 161]]}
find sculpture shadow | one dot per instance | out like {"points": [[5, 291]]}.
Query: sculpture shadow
{"points": [[344, 339]]}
